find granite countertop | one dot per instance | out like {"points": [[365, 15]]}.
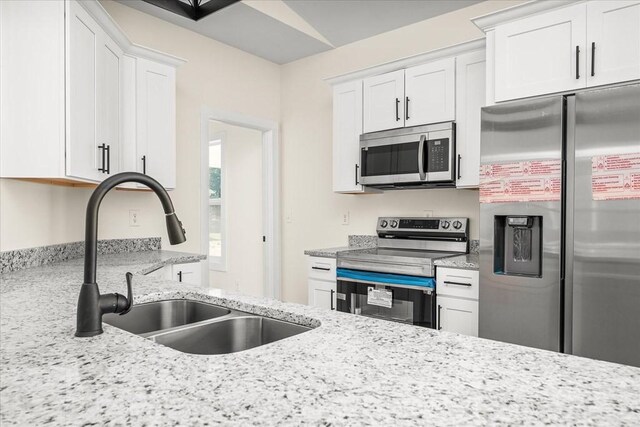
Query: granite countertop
{"points": [[466, 261], [348, 370], [327, 252]]}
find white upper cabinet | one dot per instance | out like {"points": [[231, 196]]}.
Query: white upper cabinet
{"points": [[384, 101], [439, 86], [430, 93], [347, 127], [415, 96], [541, 54], [613, 41], [540, 48], [32, 113], [470, 98], [155, 121], [93, 98], [67, 111]]}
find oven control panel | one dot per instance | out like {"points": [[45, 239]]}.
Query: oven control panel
{"points": [[422, 225]]}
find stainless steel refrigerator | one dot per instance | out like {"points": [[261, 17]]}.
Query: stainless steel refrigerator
{"points": [[560, 224]]}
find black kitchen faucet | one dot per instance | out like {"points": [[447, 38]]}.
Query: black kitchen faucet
{"points": [[92, 305]]}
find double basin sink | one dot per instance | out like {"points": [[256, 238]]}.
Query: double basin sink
{"points": [[199, 328]]}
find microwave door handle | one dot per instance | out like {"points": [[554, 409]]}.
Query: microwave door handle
{"points": [[421, 171]]}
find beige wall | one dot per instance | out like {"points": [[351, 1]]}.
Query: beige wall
{"points": [[216, 75], [316, 211], [242, 193]]}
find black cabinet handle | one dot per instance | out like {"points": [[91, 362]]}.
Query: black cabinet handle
{"points": [[144, 165], [459, 174], [357, 167], [593, 59], [439, 311], [102, 147], [406, 107], [446, 282], [577, 62], [180, 276], [321, 268], [397, 110], [108, 150], [332, 292]]}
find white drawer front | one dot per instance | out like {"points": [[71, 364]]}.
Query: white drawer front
{"points": [[455, 282], [322, 268]]}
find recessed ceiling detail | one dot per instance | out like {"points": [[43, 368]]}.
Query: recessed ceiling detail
{"points": [[282, 31], [193, 9]]}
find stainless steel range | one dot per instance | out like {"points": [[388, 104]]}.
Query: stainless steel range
{"points": [[395, 281]]}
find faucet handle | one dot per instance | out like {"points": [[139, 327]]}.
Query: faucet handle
{"points": [[129, 277]]}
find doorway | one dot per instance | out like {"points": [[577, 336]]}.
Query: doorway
{"points": [[239, 226]]}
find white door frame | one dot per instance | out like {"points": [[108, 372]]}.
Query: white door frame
{"points": [[270, 190]]}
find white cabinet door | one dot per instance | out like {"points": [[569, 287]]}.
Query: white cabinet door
{"points": [[83, 39], [322, 294], [384, 101], [470, 98], [613, 41], [430, 93], [347, 127], [187, 273], [458, 315], [156, 121], [541, 54], [108, 106], [32, 95]]}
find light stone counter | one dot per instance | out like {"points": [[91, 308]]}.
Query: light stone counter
{"points": [[466, 262], [349, 370]]}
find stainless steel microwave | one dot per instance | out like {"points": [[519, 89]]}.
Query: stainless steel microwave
{"points": [[420, 156]]}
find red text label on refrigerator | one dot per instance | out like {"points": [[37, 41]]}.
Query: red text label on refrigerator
{"points": [[530, 181], [615, 177]]}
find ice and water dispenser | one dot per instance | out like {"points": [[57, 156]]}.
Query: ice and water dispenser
{"points": [[518, 245]]}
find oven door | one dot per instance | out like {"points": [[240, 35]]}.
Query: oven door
{"points": [[394, 297]]}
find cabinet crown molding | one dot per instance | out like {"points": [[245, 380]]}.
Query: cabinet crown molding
{"points": [[387, 67], [489, 21], [114, 31]]}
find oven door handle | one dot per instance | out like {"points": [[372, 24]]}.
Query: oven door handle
{"points": [[421, 171]]}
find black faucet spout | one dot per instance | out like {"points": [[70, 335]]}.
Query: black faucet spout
{"points": [[92, 305]]}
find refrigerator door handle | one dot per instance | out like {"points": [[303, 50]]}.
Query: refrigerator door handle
{"points": [[569, 212]]}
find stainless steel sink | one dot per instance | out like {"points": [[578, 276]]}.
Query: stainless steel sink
{"points": [[229, 336], [161, 315], [200, 328]]}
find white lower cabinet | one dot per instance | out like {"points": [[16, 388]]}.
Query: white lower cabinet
{"points": [[458, 315], [321, 274], [457, 300], [190, 273], [322, 294]]}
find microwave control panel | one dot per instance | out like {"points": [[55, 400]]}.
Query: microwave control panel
{"points": [[438, 155]]}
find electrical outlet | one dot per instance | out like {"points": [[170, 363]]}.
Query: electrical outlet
{"points": [[134, 218], [428, 213], [345, 218]]}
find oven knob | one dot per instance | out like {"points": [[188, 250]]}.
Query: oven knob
{"points": [[457, 225], [383, 223], [394, 223], [445, 224]]}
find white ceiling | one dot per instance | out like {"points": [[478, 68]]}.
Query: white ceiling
{"points": [[282, 31]]}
